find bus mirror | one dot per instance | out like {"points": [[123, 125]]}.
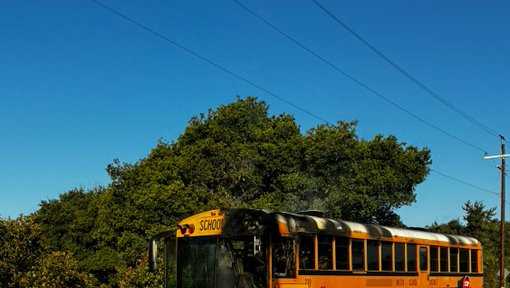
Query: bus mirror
{"points": [[153, 255], [257, 246]]}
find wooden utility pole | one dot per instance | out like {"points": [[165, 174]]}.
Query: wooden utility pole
{"points": [[502, 170], [502, 224]]}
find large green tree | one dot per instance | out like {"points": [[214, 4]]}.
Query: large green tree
{"points": [[237, 155]]}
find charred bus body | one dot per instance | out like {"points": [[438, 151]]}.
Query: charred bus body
{"points": [[247, 248]]}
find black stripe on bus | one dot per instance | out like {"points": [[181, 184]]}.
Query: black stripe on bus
{"points": [[360, 273], [474, 274], [382, 273]]}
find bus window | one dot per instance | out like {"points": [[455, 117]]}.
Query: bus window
{"points": [[342, 253], [283, 258], [454, 253], [474, 261], [248, 267], [373, 255], [400, 257], [224, 269], [464, 260], [196, 262], [170, 261], [434, 259], [387, 256], [443, 259], [424, 259], [358, 255], [307, 252], [411, 258], [325, 252]]}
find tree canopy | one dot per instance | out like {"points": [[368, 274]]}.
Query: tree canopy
{"points": [[237, 155]]}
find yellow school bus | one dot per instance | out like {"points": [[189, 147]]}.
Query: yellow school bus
{"points": [[248, 248]]}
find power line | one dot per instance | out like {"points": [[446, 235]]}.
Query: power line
{"points": [[205, 59], [269, 92], [357, 81], [463, 182], [458, 180], [408, 75], [336, 68], [237, 76]]}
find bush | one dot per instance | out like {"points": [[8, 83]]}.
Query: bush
{"points": [[58, 270]]}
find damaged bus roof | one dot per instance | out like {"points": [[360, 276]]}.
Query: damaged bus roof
{"points": [[254, 221]]}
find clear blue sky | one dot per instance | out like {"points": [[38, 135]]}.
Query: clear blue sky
{"points": [[80, 87]]}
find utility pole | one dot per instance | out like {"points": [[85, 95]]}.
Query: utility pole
{"points": [[502, 169], [502, 224]]}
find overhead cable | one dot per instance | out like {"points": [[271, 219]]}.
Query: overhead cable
{"points": [[206, 59], [359, 82], [406, 73]]}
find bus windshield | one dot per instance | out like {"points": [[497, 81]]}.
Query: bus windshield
{"points": [[209, 262]]}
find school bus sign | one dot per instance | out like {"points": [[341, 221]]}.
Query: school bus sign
{"points": [[203, 224]]}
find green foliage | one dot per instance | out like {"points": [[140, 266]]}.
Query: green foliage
{"points": [[67, 222], [452, 227], [235, 156], [58, 270], [140, 277], [362, 180], [21, 246]]}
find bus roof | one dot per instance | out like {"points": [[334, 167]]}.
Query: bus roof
{"points": [[293, 223], [332, 226]]}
